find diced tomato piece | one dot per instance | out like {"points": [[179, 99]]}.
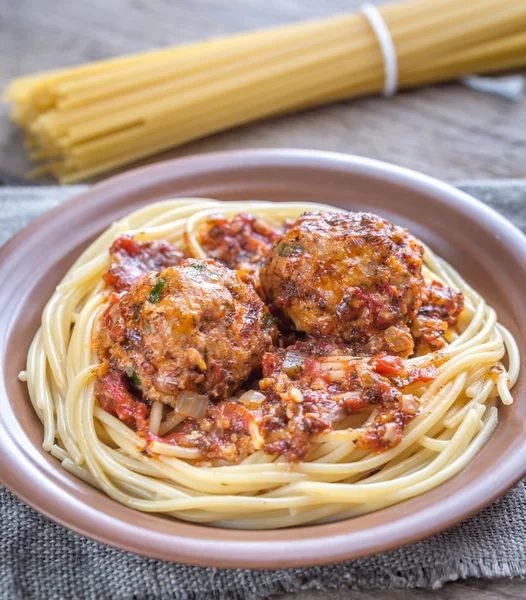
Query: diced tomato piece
{"points": [[115, 399], [389, 366]]}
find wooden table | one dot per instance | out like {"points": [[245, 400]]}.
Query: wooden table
{"points": [[447, 131]]}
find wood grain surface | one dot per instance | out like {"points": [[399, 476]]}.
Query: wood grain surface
{"points": [[447, 131]]}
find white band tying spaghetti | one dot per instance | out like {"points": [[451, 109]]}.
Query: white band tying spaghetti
{"points": [[377, 23]]}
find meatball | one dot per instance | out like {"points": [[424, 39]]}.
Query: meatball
{"points": [[347, 276], [195, 326]]}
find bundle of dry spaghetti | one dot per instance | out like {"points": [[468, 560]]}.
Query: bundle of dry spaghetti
{"points": [[87, 120]]}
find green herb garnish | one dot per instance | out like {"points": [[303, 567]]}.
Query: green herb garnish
{"points": [[199, 266], [132, 374], [157, 290], [290, 249], [267, 319]]}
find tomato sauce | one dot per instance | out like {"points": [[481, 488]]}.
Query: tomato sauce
{"points": [[131, 260], [308, 388]]}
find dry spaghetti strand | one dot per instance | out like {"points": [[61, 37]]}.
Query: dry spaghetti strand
{"points": [[87, 120]]}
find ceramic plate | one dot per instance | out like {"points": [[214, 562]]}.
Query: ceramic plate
{"points": [[487, 250]]}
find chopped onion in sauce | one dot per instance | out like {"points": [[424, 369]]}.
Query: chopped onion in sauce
{"points": [[293, 363], [391, 433], [166, 384], [410, 405], [252, 398], [192, 404]]}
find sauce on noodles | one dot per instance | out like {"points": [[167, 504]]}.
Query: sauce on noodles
{"points": [[302, 386]]}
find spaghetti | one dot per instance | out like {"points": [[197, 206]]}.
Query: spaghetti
{"points": [[87, 120], [445, 399]]}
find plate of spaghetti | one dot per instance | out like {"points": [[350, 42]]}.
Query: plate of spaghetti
{"points": [[273, 358]]}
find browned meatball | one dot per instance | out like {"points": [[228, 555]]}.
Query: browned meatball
{"points": [[344, 275], [195, 326]]}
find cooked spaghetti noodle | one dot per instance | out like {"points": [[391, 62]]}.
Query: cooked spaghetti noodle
{"points": [[87, 120], [451, 410]]}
